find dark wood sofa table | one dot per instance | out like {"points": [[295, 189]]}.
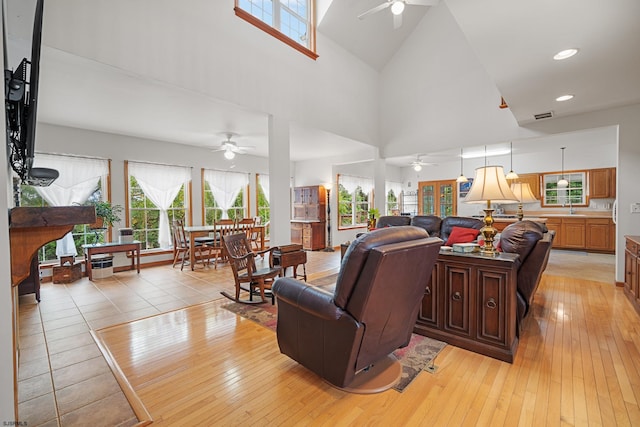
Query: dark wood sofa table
{"points": [[110, 248], [470, 302]]}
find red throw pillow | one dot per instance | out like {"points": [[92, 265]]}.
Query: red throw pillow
{"points": [[462, 235]]}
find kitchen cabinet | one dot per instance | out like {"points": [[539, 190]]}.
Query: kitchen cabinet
{"points": [[600, 234], [533, 179], [631, 263], [555, 224], [590, 234], [573, 233], [602, 183]]}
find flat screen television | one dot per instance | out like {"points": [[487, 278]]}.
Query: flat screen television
{"points": [[21, 105]]}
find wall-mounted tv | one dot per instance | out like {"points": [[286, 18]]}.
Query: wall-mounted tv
{"points": [[21, 105]]}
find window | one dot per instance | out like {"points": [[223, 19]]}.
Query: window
{"points": [[572, 195], [81, 233], [394, 189], [290, 21], [354, 201], [262, 194], [81, 181], [224, 195], [158, 195]]}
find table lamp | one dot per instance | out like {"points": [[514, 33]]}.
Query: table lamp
{"points": [[524, 195], [489, 185]]}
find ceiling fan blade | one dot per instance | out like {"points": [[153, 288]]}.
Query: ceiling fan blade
{"points": [[422, 2], [374, 10], [397, 21]]}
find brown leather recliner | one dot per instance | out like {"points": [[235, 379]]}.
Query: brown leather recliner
{"points": [[372, 311]]}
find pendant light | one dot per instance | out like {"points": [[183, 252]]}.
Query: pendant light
{"points": [[461, 178], [563, 183], [511, 174]]}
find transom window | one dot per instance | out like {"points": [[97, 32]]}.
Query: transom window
{"points": [[290, 21], [573, 194]]}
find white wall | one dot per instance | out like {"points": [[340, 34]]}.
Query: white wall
{"points": [[436, 95], [7, 351], [202, 46], [585, 149]]}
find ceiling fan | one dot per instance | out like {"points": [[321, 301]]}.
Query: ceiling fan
{"points": [[231, 148], [397, 7], [417, 164]]}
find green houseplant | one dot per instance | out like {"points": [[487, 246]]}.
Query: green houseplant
{"points": [[373, 214], [106, 214]]}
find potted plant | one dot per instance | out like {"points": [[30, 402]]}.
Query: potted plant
{"points": [[373, 214], [106, 214]]}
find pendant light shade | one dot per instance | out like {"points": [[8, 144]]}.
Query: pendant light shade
{"points": [[563, 183], [511, 174], [461, 178]]}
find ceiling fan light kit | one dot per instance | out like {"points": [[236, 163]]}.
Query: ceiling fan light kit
{"points": [[230, 147], [397, 8]]}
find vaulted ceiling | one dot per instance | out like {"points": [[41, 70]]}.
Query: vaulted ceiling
{"points": [[513, 40]]}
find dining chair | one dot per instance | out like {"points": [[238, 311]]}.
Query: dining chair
{"points": [[202, 252], [247, 276]]}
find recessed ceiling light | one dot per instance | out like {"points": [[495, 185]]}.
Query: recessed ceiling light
{"points": [[564, 98], [564, 54]]}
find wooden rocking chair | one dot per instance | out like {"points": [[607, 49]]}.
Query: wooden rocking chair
{"points": [[247, 276]]}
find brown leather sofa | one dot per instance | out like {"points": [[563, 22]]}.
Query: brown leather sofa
{"points": [[532, 241], [435, 226], [372, 311]]}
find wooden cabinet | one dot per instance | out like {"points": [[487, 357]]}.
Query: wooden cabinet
{"points": [[573, 233], [309, 215], [600, 234], [533, 179], [631, 263], [555, 224], [470, 302], [437, 198], [309, 203], [602, 183]]}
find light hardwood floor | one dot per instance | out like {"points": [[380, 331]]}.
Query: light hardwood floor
{"points": [[578, 363]]}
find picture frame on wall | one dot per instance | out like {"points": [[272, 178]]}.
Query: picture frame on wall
{"points": [[464, 188]]}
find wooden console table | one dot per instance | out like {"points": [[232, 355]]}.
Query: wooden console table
{"points": [[110, 248], [470, 302]]}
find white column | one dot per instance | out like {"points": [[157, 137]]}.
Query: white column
{"points": [[279, 180], [379, 182]]}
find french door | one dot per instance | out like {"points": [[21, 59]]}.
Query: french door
{"points": [[437, 198]]}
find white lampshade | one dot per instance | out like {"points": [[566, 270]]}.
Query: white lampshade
{"points": [[462, 178], [563, 183], [490, 185], [523, 192]]}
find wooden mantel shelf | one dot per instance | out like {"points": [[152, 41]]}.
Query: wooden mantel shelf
{"points": [[31, 228]]}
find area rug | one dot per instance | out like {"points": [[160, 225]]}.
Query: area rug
{"points": [[414, 358]]}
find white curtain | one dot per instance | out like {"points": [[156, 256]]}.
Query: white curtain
{"points": [[351, 183], [263, 180], [161, 184], [79, 178], [225, 187]]}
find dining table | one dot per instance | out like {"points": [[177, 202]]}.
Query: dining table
{"points": [[194, 231]]}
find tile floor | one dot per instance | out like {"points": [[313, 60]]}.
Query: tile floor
{"points": [[63, 380]]}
